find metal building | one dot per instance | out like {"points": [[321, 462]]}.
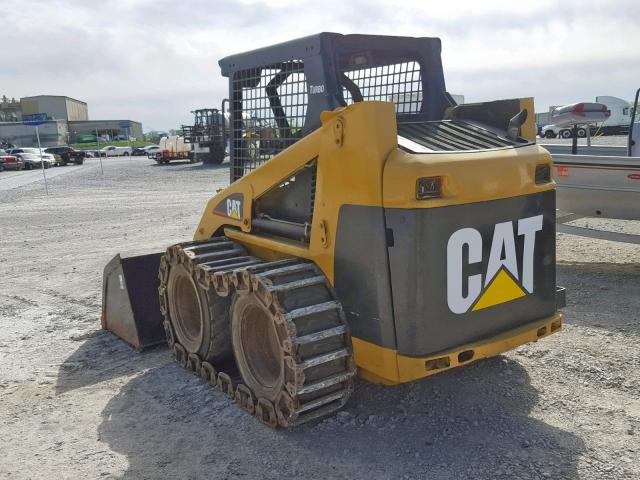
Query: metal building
{"points": [[69, 120], [52, 133], [113, 128], [57, 107]]}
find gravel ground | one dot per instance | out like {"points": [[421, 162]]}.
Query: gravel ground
{"points": [[75, 402]]}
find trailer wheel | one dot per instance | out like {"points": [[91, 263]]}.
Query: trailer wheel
{"points": [[582, 133], [565, 133]]}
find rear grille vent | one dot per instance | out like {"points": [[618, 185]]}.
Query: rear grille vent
{"points": [[449, 136]]}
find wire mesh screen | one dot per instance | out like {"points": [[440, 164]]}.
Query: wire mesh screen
{"points": [[400, 83], [269, 109]]}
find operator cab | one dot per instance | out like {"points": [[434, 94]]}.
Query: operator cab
{"points": [[285, 87]]}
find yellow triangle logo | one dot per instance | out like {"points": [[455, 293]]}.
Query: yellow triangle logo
{"points": [[502, 288]]}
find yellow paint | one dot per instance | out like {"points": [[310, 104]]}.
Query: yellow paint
{"points": [[378, 361], [268, 248], [347, 173], [387, 366], [359, 163], [502, 289], [467, 177], [528, 129]]}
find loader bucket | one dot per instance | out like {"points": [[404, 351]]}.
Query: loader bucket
{"points": [[130, 306]]}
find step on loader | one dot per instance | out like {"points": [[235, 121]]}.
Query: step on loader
{"points": [[371, 226]]}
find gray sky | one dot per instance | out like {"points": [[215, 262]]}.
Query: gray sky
{"points": [[155, 60]]}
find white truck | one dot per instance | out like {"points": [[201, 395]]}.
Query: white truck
{"points": [[172, 147], [617, 123], [620, 118], [112, 151]]}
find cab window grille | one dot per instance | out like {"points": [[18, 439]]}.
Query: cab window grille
{"points": [[269, 107], [400, 83]]}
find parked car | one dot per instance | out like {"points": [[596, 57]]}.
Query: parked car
{"points": [[67, 155], [553, 131], [138, 151], [143, 150], [48, 157], [153, 150], [33, 160], [111, 151], [93, 153], [10, 162]]}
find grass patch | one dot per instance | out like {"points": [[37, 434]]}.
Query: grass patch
{"points": [[116, 143]]}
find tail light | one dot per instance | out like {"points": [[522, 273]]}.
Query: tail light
{"points": [[543, 173], [428, 187]]}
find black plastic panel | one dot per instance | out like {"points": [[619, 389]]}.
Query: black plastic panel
{"points": [[361, 275], [450, 136], [425, 323]]}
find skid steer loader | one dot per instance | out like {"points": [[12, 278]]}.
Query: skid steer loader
{"points": [[381, 229]]}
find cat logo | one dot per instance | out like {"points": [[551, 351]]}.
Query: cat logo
{"points": [[234, 208], [230, 207], [501, 282]]}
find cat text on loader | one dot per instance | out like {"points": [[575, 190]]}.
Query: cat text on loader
{"points": [[381, 230]]}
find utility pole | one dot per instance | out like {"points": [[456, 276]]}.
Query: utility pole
{"points": [[99, 154], [46, 187]]}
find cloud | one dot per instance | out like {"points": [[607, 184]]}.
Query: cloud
{"points": [[155, 60]]}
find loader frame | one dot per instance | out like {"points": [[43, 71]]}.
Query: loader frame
{"points": [[353, 171], [275, 102]]}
